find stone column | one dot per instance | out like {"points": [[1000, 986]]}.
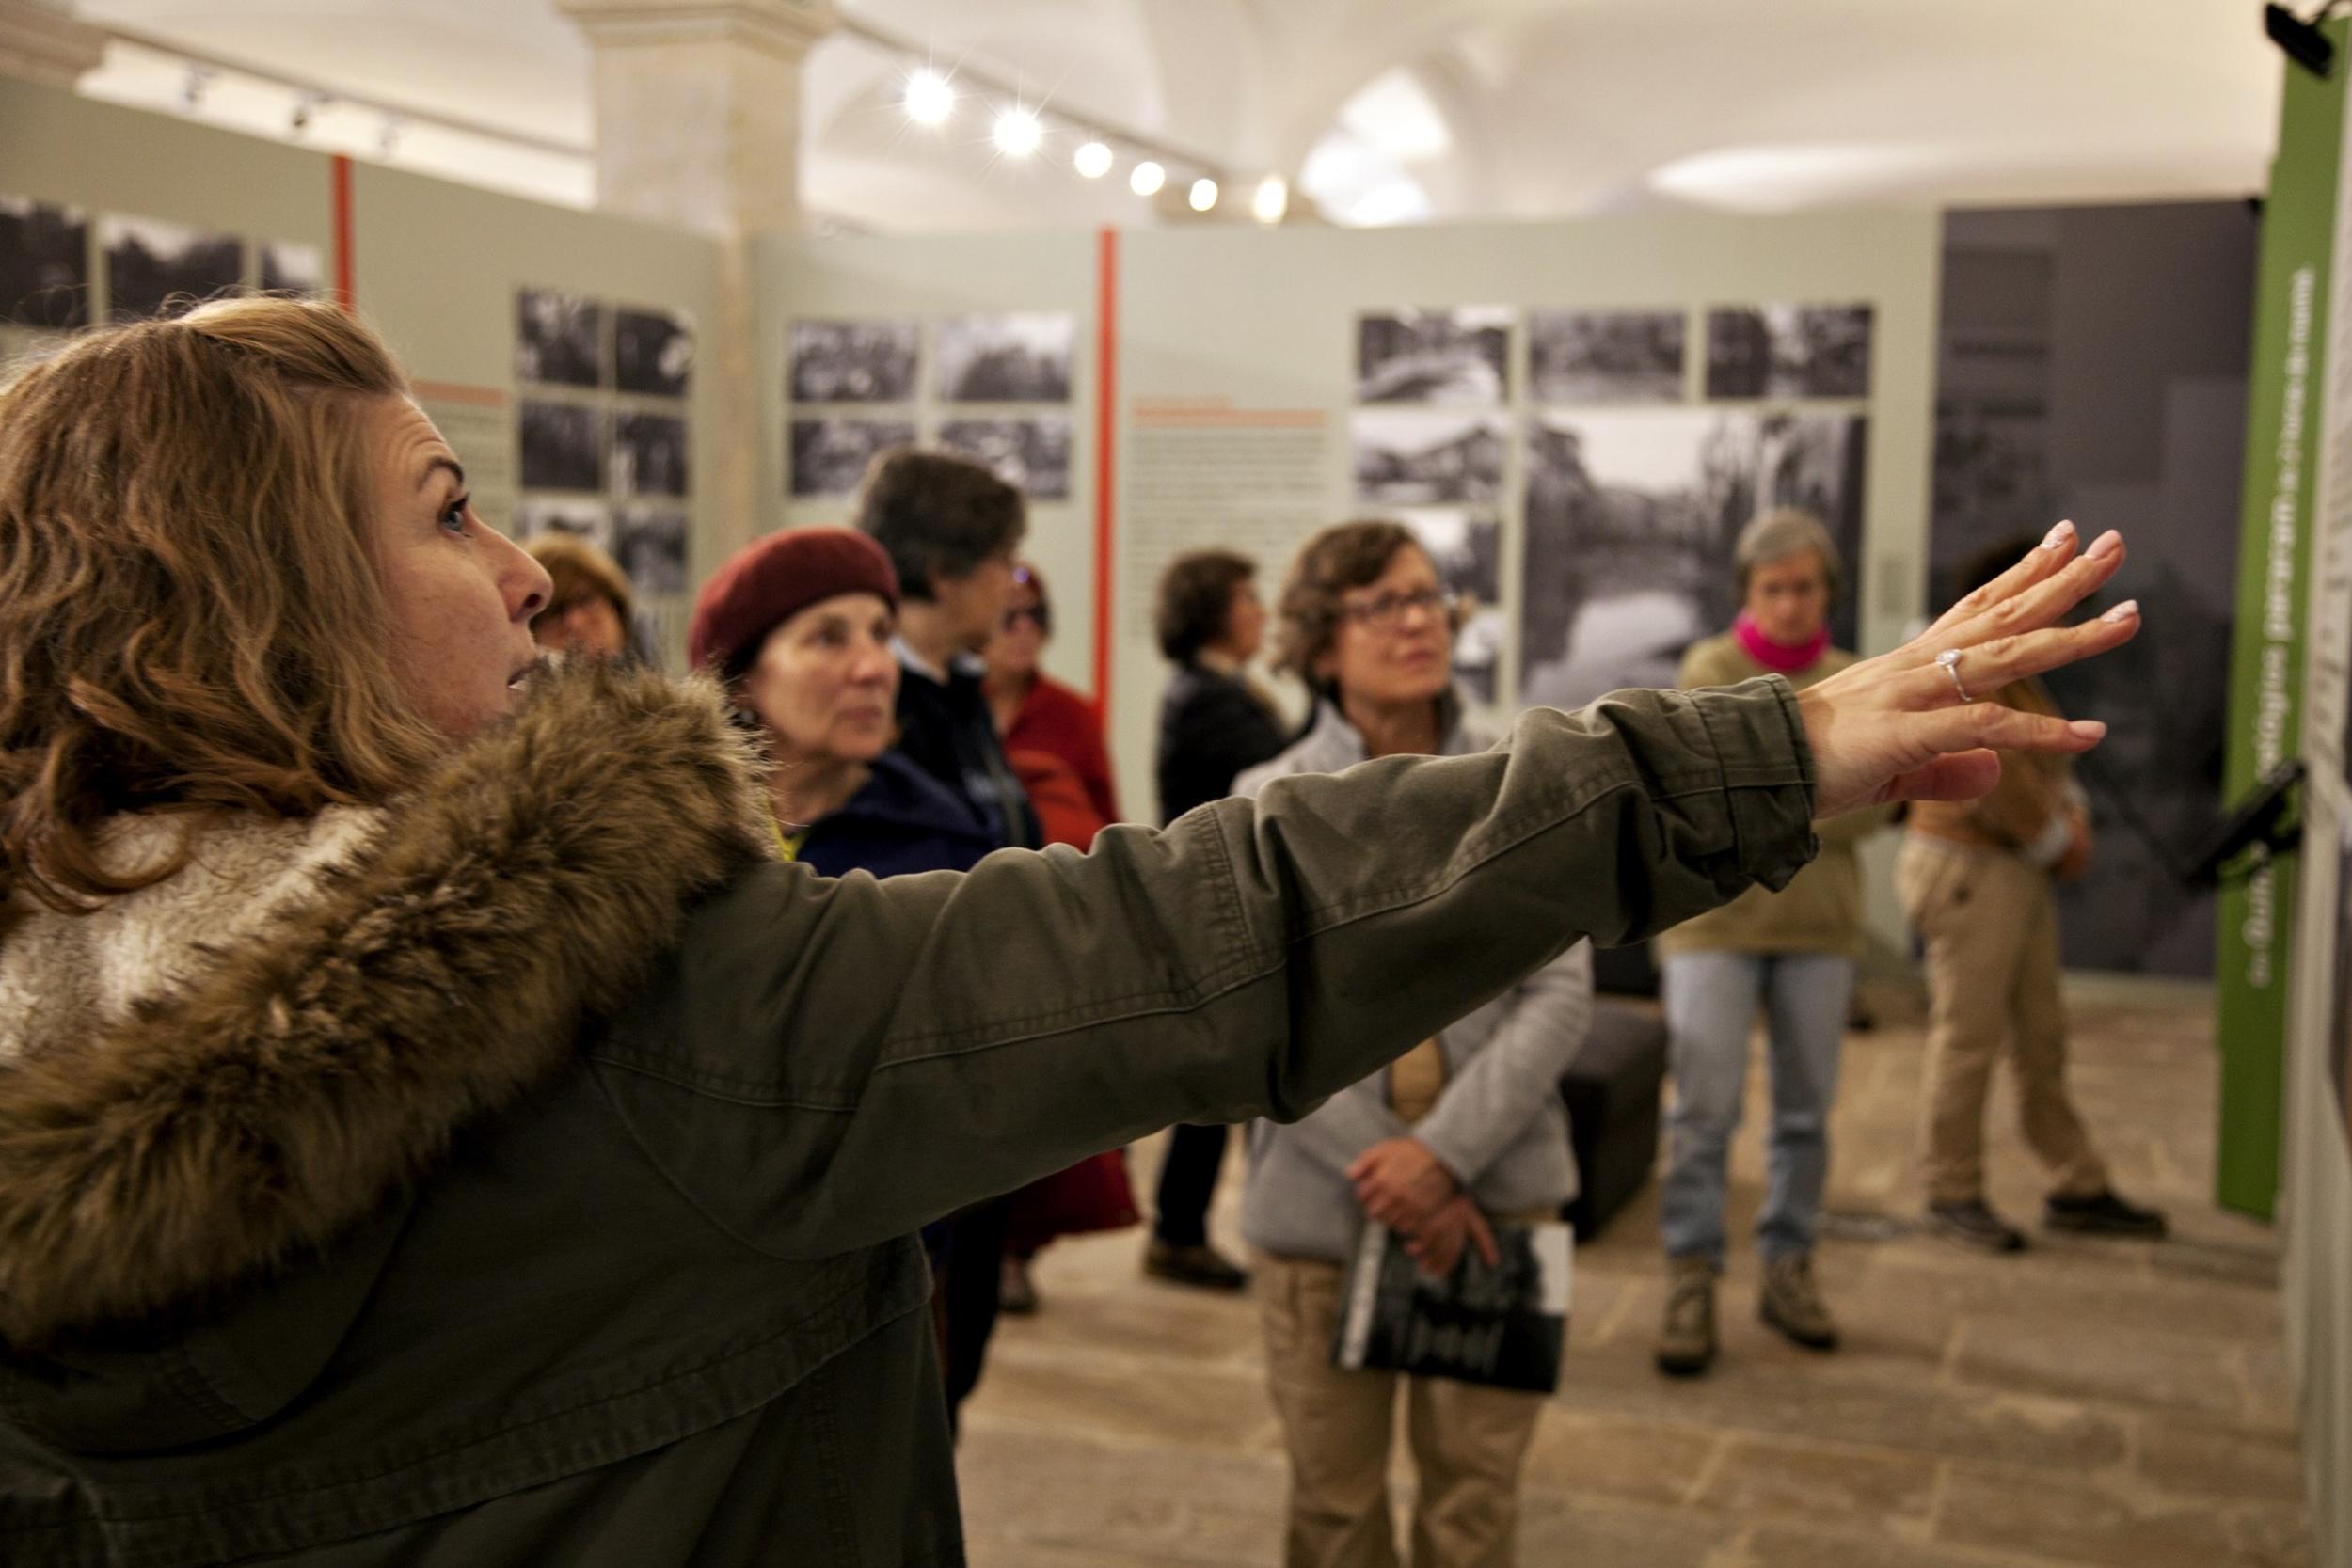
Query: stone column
{"points": [[698, 126], [698, 107], [42, 41]]}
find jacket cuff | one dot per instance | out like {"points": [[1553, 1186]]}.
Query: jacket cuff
{"points": [[1768, 775]]}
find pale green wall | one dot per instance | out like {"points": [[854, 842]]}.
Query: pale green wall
{"points": [[1267, 319], [866, 276]]}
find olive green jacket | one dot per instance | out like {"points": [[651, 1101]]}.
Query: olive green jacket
{"points": [[529, 1177], [1821, 911]]}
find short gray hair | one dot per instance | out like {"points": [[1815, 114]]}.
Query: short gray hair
{"points": [[1781, 534]]}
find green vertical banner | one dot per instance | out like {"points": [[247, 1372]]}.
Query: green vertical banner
{"points": [[2285, 417]]}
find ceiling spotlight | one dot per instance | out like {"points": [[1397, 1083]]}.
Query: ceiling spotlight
{"points": [[1018, 132], [1273, 199], [1147, 179], [928, 97], [1093, 160], [388, 139], [1204, 194], [191, 91], [305, 106]]}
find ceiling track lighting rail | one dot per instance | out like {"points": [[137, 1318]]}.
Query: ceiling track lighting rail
{"points": [[930, 95]]}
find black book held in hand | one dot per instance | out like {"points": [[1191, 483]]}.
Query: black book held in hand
{"points": [[1504, 1325]]}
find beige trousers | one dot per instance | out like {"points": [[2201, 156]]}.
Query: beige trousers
{"points": [[1992, 931], [1468, 1443]]}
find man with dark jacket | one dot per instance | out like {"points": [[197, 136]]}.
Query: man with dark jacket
{"points": [[951, 527]]}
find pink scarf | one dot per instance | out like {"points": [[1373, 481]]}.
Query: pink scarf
{"points": [[1780, 659]]}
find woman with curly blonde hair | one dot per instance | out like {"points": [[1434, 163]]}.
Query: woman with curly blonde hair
{"points": [[436, 1128]]}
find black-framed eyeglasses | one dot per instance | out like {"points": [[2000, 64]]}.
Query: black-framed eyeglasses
{"points": [[1384, 612]]}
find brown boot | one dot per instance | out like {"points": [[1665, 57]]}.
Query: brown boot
{"points": [[1686, 1341], [1791, 1303]]}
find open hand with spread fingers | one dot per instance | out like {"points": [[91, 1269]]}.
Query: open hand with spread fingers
{"points": [[1913, 725]]}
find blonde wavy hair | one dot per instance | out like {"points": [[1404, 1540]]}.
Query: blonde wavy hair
{"points": [[191, 618]]}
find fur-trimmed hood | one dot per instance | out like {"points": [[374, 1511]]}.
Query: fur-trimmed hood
{"points": [[219, 1076]]}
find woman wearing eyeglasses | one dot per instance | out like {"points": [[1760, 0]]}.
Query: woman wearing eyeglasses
{"points": [[1465, 1127]]}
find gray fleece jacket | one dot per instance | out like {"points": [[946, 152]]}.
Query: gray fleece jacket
{"points": [[1499, 1127]]}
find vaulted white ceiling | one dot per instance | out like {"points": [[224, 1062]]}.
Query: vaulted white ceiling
{"points": [[1382, 110]]}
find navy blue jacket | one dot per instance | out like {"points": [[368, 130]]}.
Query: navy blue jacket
{"points": [[901, 820]]}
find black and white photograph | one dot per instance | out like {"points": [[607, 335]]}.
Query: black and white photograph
{"points": [[1606, 355], [853, 361], [292, 269], [562, 445], [1788, 351], [653, 352], [1426, 456], [539, 516], [1019, 358], [155, 268], [828, 457], [1630, 521], [649, 542], [1457, 355], [44, 264], [649, 455], [1030, 454], [1465, 547], [558, 339]]}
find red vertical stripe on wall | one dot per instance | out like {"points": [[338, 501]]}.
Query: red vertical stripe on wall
{"points": [[1105, 455], [346, 267]]}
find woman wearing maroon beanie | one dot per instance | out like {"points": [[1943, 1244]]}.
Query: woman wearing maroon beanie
{"points": [[798, 627]]}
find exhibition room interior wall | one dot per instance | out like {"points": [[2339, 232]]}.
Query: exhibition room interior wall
{"points": [[1577, 417]]}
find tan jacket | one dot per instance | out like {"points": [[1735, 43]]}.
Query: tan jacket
{"points": [[1821, 910], [2029, 811]]}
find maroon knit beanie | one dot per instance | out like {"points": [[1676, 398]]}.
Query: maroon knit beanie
{"points": [[769, 581]]}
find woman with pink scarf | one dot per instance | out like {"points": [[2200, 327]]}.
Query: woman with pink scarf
{"points": [[1792, 953]]}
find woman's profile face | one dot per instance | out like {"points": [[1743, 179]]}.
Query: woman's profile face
{"points": [[459, 595], [1790, 597], [1244, 623], [825, 683], [1395, 641], [588, 627], [1014, 650]]}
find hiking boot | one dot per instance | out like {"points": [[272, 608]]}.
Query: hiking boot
{"points": [[1791, 1303], [2103, 1214], [1686, 1341], [1015, 1296], [1202, 1265], [1972, 1224]]}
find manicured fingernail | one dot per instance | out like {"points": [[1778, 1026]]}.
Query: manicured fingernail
{"points": [[2108, 544], [2055, 538], [2123, 611], [2088, 729]]}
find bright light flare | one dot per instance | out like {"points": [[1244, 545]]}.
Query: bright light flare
{"points": [[928, 99], [1272, 201], [1018, 132]]}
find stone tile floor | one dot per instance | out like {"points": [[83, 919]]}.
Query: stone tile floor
{"points": [[2086, 1402]]}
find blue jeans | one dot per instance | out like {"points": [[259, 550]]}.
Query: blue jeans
{"points": [[1711, 1000]]}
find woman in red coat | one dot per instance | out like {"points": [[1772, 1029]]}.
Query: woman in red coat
{"points": [[1053, 739]]}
